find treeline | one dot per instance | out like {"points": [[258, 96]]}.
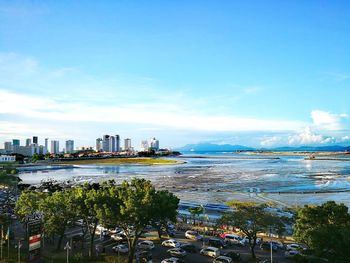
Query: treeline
{"points": [[132, 206]]}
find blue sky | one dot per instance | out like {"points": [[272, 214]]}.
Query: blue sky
{"points": [[256, 73]]}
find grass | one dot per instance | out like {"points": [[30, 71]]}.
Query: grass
{"points": [[112, 161]]}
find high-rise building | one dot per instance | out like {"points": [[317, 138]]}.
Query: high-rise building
{"points": [[69, 146], [47, 144], [154, 144], [99, 146], [8, 146], [144, 146], [35, 139], [112, 144], [127, 144], [55, 147], [28, 142], [117, 143], [16, 142], [15, 145], [105, 143]]}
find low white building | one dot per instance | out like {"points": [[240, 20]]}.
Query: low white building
{"points": [[7, 158]]}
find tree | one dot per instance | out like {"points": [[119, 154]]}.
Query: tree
{"points": [[195, 211], [325, 229], [58, 214], [7, 178], [28, 204], [50, 186], [251, 219], [165, 206], [86, 203], [130, 206], [136, 213]]}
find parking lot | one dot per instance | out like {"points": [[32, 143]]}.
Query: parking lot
{"points": [[159, 252]]}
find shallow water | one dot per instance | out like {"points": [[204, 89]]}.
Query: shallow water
{"points": [[291, 180]]}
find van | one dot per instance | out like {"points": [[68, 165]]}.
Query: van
{"points": [[233, 239]]}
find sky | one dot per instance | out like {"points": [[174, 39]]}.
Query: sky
{"points": [[255, 73]]}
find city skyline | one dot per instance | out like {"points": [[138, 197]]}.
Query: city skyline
{"points": [[254, 73]]}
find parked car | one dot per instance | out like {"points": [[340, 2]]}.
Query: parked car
{"points": [[172, 260], [188, 247], [278, 244], [245, 241], [210, 251], [171, 243], [267, 246], [119, 237], [217, 242], [170, 232], [293, 247], [233, 239], [122, 248], [222, 259], [190, 234], [116, 230], [177, 252], [233, 255], [292, 253], [146, 244]]}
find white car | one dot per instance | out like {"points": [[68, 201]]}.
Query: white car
{"points": [[293, 247], [190, 234], [146, 244], [222, 259], [177, 252], [171, 243], [116, 230], [122, 248], [118, 237], [210, 251], [233, 239], [172, 260]]}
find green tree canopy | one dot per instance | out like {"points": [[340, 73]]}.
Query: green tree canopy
{"points": [[58, 214], [326, 230], [28, 204], [195, 211], [7, 176], [134, 205], [86, 202], [165, 206], [251, 219]]}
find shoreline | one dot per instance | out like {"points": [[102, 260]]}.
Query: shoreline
{"points": [[119, 161]]}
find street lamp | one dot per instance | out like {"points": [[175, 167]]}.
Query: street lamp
{"points": [[67, 247], [19, 249], [204, 218], [271, 242]]}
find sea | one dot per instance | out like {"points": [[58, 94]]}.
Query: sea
{"points": [[218, 177]]}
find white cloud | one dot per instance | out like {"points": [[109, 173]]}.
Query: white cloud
{"points": [[166, 115], [271, 141], [336, 76], [324, 120], [252, 90], [307, 137]]}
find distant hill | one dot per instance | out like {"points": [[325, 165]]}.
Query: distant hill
{"points": [[209, 147]]}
